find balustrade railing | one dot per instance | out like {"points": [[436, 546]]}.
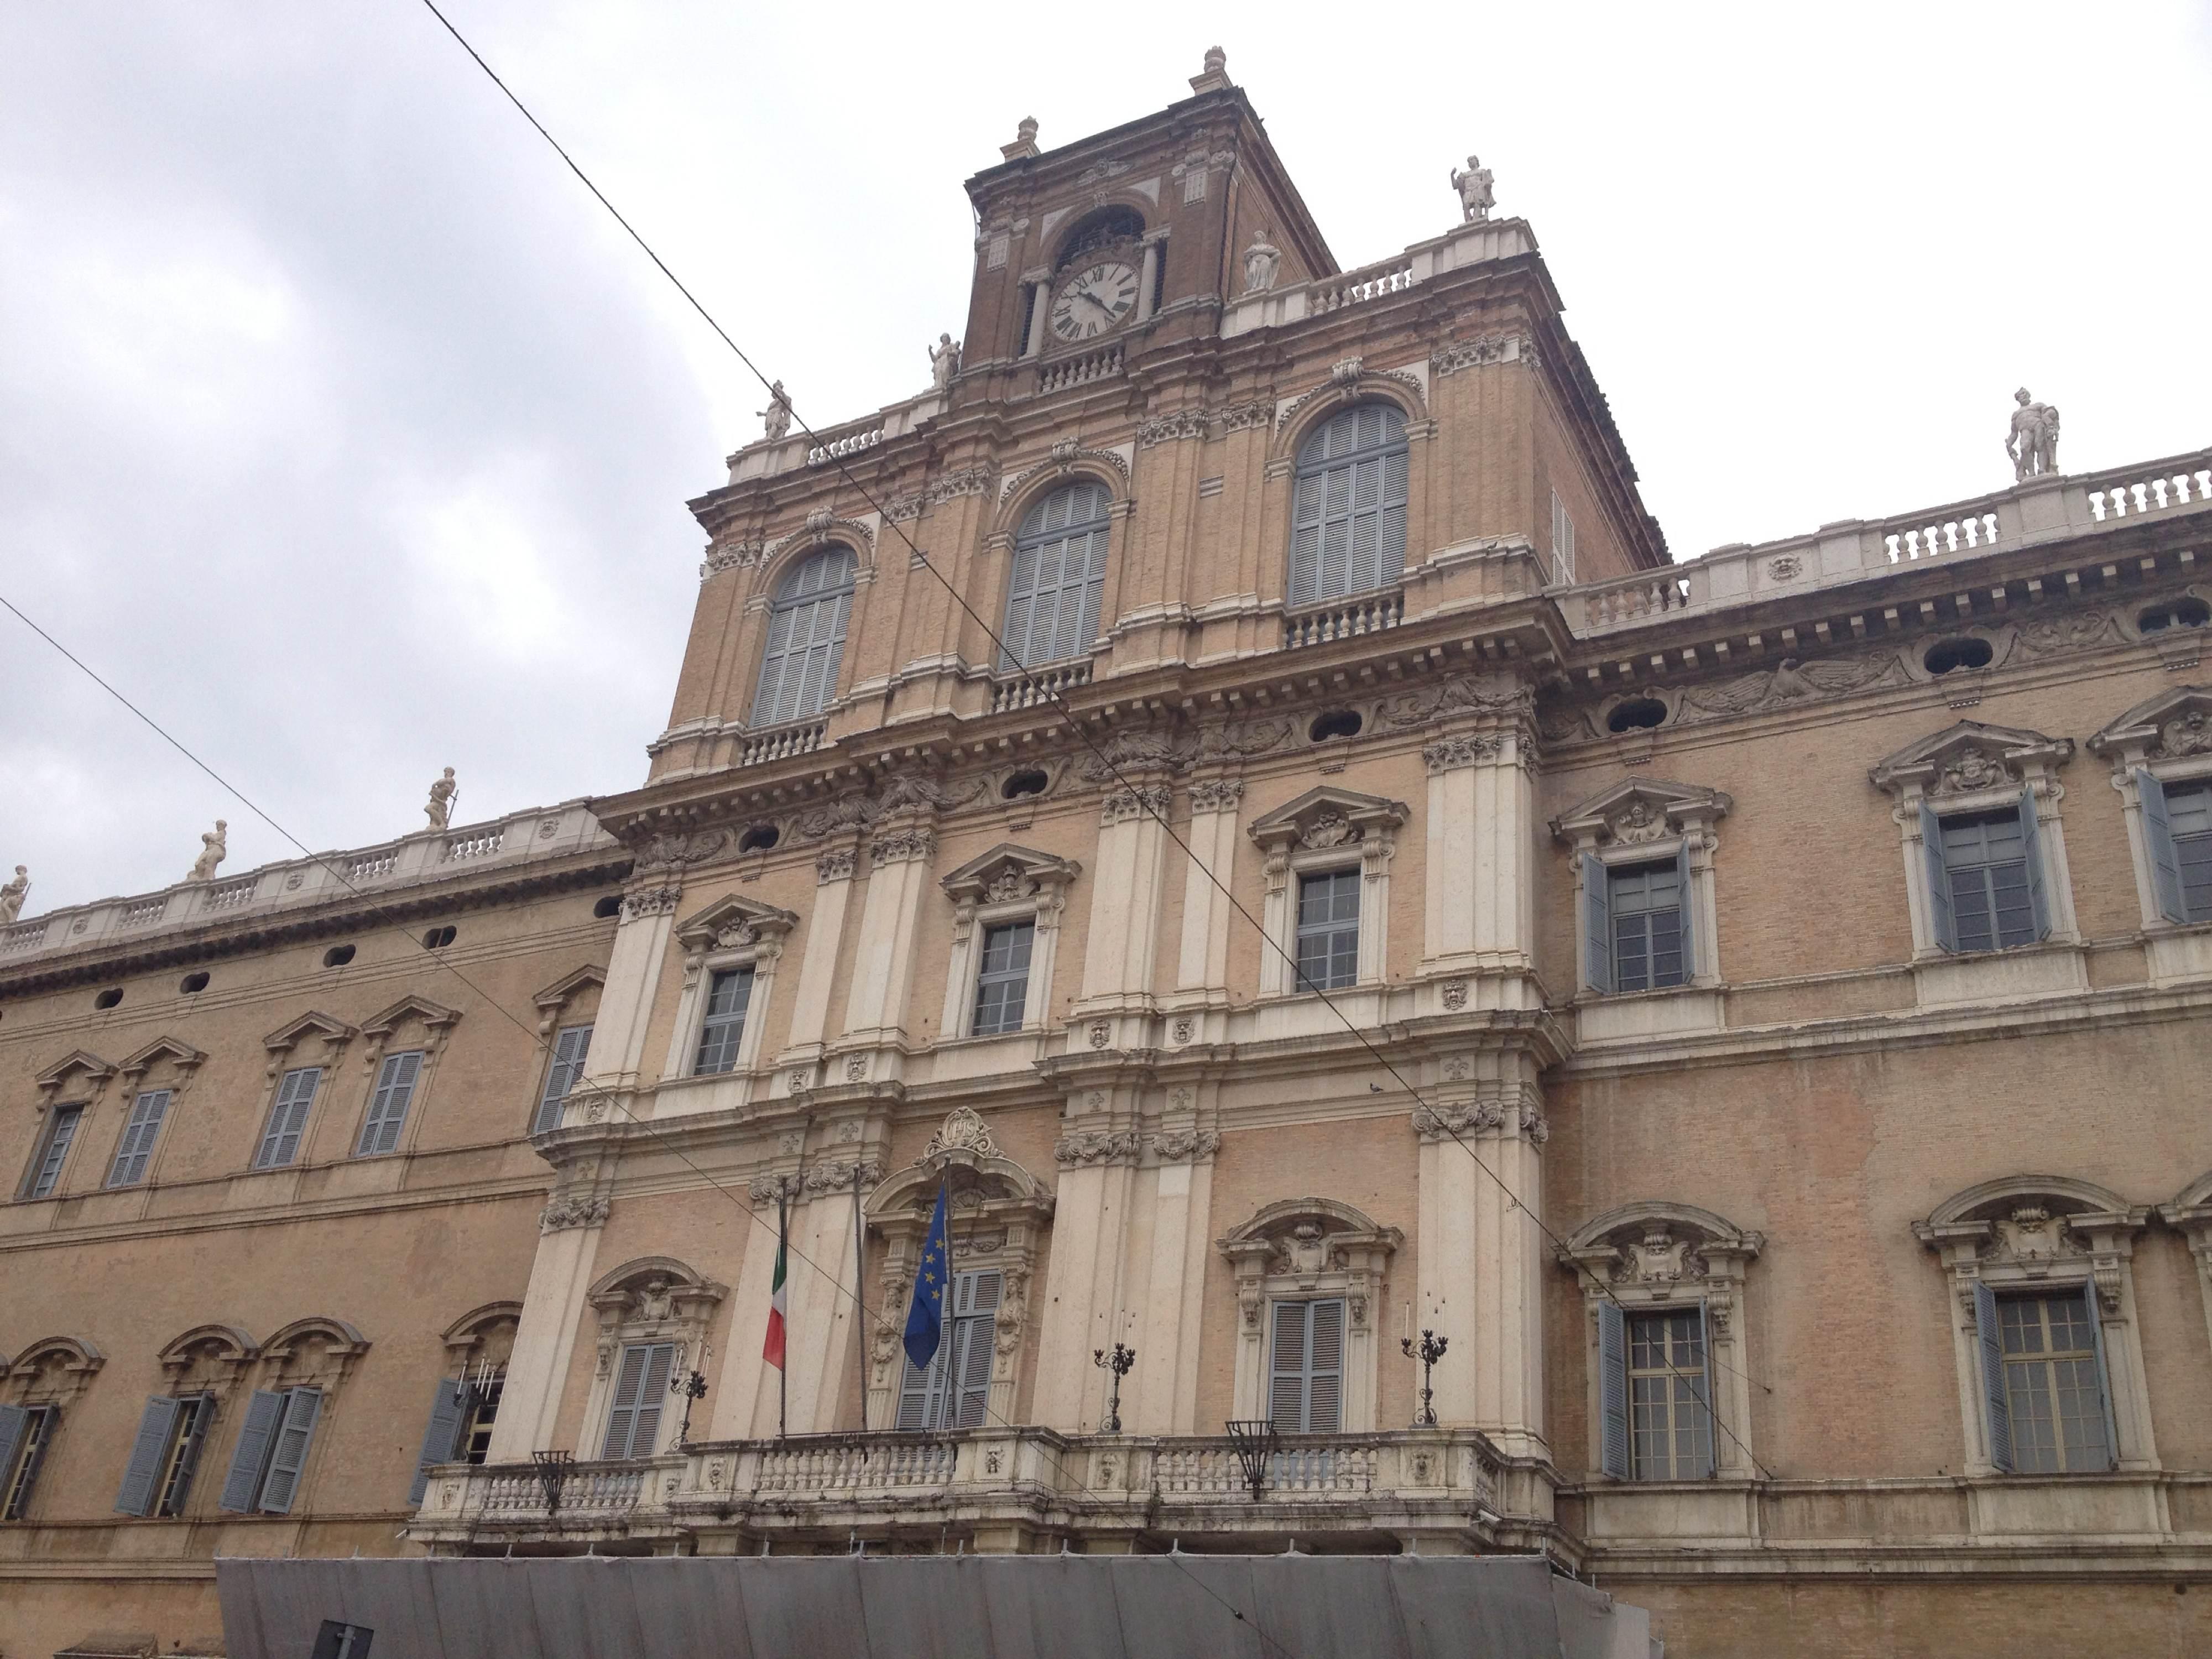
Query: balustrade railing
{"points": [[1631, 598], [1361, 613], [146, 911], [370, 865], [758, 747], [231, 894], [1079, 370], [1356, 286], [1012, 690], [850, 443], [479, 845], [29, 937], [2134, 499], [846, 1464]]}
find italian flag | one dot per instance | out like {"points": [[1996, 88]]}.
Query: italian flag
{"points": [[772, 1350]]}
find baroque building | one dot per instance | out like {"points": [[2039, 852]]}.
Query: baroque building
{"points": [[1229, 788]]}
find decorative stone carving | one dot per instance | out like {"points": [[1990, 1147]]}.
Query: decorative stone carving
{"points": [[1095, 1146], [1241, 739], [767, 1189], [1792, 681], [1785, 567], [667, 849], [1263, 262], [1462, 749], [1140, 800], [1183, 1029], [1485, 349], [1185, 1146], [839, 1177], [1638, 822], [565, 1210], [731, 556], [13, 894], [838, 864], [1242, 417], [1971, 769], [1455, 994], [1216, 794], [1345, 372], [961, 1131], [1131, 751], [439, 809], [1478, 694], [213, 850], [1010, 886], [1170, 429], [775, 419], [2184, 735], [1970, 755], [2031, 441], [1476, 196], [1025, 143], [856, 1068], [1534, 1124], [1328, 828], [1449, 1122], [650, 901], [901, 845], [1101, 1035], [2052, 636], [944, 361]]}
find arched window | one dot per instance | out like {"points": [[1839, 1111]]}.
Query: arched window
{"points": [[806, 638], [1348, 512], [1060, 571]]}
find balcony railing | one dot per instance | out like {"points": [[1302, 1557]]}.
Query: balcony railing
{"points": [[1340, 619], [1080, 370], [1011, 690], [836, 1482], [758, 747]]}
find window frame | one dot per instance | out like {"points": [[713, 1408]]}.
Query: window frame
{"points": [[1024, 929], [273, 1130], [176, 1467], [956, 1390], [729, 935], [1640, 822], [39, 1182], [1675, 1374], [1025, 543], [1325, 830], [1390, 573], [1307, 1372], [547, 1101], [19, 1471], [371, 1121], [141, 1132], [781, 602], [1332, 930], [1310, 1251], [1008, 885]]}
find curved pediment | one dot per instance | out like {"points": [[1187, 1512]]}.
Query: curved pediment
{"points": [[2008, 1196], [214, 1341], [338, 1338], [571, 985], [1969, 755], [964, 1157], [731, 923], [2171, 725], [1640, 810], [1656, 1242], [1307, 1233]]}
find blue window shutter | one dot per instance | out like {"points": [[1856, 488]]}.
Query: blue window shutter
{"points": [[977, 1297], [2158, 847], [1597, 926], [1021, 606], [249, 1459], [452, 1404], [1612, 1389], [147, 1452], [2030, 836], [622, 1417], [2104, 1374], [1325, 1369], [14, 1422], [915, 1392], [303, 1409], [1286, 1389], [1996, 1408], [1940, 925], [653, 1398], [1705, 1389], [1684, 899]]}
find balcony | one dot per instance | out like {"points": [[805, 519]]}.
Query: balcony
{"points": [[1341, 619], [1011, 689], [987, 1486]]}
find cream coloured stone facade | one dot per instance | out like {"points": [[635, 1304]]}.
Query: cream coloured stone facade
{"points": [[1028, 933]]}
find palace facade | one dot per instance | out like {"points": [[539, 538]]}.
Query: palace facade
{"points": [[1230, 788]]}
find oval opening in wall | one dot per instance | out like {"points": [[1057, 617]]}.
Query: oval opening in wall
{"points": [[1637, 714]]}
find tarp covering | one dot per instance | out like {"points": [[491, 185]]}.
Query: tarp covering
{"points": [[972, 1607]]}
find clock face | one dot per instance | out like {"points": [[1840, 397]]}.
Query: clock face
{"points": [[1096, 298]]}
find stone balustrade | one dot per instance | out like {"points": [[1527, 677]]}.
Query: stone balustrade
{"points": [[776, 742], [1429, 1479], [1079, 370], [1340, 619], [765, 458], [427, 855], [1459, 247], [844, 444], [2040, 511], [1040, 685]]}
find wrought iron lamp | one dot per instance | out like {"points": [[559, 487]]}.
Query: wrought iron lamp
{"points": [[552, 1474], [1256, 1442], [1119, 1362], [693, 1387], [1431, 1350]]}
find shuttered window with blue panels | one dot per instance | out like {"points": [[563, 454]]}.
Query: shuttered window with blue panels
{"points": [[2046, 1390], [1058, 578], [1648, 912], [45, 1172], [271, 1453], [570, 1049], [287, 1118], [157, 1478], [1003, 982], [1348, 506], [2178, 832], [722, 1027], [1328, 930], [133, 1151], [26, 1431], [1305, 1380], [1670, 1421], [641, 1391], [806, 623], [388, 1107], [955, 1392], [1986, 879]]}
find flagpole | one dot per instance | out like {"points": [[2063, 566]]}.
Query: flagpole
{"points": [[782, 1371], [861, 1293]]}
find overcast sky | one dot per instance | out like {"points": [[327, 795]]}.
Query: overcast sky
{"points": [[345, 435]]}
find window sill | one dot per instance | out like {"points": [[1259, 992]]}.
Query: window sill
{"points": [[2048, 968], [2179, 952], [1634, 1016]]}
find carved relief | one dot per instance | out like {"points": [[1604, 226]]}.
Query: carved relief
{"points": [[565, 1210], [901, 845], [1184, 1145], [963, 1131], [1463, 748], [651, 901], [838, 864], [1140, 800], [1972, 769], [1487, 348], [1216, 795], [732, 555], [1096, 1147], [1793, 681]]}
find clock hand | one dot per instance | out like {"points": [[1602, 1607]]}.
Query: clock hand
{"points": [[1085, 294]]}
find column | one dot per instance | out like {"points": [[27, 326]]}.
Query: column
{"points": [[1480, 842], [882, 964], [617, 1052], [1041, 289], [1202, 963], [546, 1339], [825, 936], [1148, 281], [1118, 965], [1161, 1394], [1085, 1287]]}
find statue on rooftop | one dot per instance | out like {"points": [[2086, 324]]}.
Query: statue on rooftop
{"points": [[776, 417], [213, 849], [13, 893], [1475, 197], [2032, 443], [944, 361], [440, 810], [1262, 261]]}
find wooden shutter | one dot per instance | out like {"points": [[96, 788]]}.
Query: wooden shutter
{"points": [[1686, 906], [15, 1424], [1305, 542], [1325, 1369], [653, 1398], [570, 1050], [1021, 608], [1612, 1389], [387, 1108], [2104, 1373], [1942, 927], [1705, 1387], [280, 1144], [917, 1391], [1597, 925], [136, 1145], [621, 1418], [2030, 836], [975, 1295], [1286, 1389], [453, 1407], [2159, 848], [1996, 1408], [41, 1424], [249, 1458], [774, 656], [148, 1451], [303, 1409]]}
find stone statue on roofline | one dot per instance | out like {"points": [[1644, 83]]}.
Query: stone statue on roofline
{"points": [[1262, 261], [13, 893], [775, 419], [439, 810], [1476, 198], [213, 850], [2032, 443], [944, 361]]}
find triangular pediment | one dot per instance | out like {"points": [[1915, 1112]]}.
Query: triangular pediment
{"points": [[2172, 725], [435, 1015], [1969, 755], [1641, 809], [83, 1061], [565, 988], [311, 1023], [183, 1053], [731, 923], [1327, 816], [1008, 873]]}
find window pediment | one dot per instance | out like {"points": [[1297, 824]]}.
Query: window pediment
{"points": [[79, 1063], [183, 1055], [1970, 758], [1325, 818], [1012, 874], [1637, 810], [434, 1015], [53, 1370], [737, 924], [1306, 1237], [568, 987], [1659, 1248], [287, 1037], [2175, 724]]}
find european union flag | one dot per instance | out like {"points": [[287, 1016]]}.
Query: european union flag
{"points": [[925, 1318]]}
